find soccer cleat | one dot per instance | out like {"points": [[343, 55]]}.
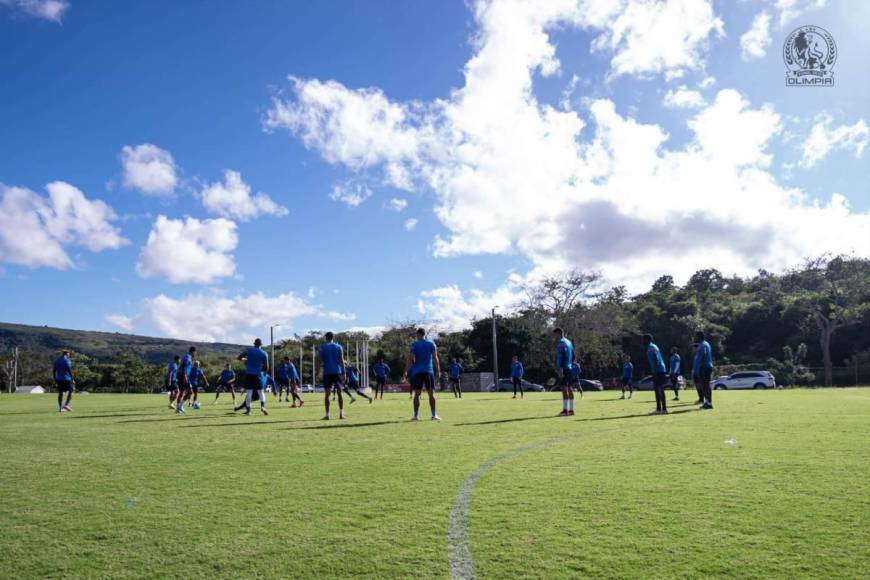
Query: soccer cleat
{"points": [[654, 412], [663, 412], [67, 408], [326, 418], [707, 406], [247, 413], [676, 397], [301, 403], [264, 411], [171, 406], [352, 400], [564, 413], [570, 413], [61, 410], [342, 416], [436, 418], [415, 418], [180, 411], [623, 396]]}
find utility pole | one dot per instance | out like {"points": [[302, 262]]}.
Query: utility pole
{"points": [[313, 367], [494, 351], [272, 349]]}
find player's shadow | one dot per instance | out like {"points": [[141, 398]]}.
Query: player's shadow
{"points": [[111, 415], [172, 418], [497, 421], [635, 416], [245, 424], [326, 425]]}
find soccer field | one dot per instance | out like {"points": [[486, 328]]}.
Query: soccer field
{"points": [[501, 488]]}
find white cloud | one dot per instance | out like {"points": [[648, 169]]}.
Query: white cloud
{"points": [[397, 204], [754, 42], [209, 317], [233, 199], [449, 308], [350, 193], [189, 250], [477, 274], [707, 82], [35, 230], [123, 322], [684, 98], [791, 9], [46, 9], [618, 197], [149, 169], [824, 138], [410, 224]]}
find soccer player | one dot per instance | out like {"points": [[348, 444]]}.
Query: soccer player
{"points": [[334, 375], [576, 372], [353, 383], [227, 380], [197, 379], [256, 363], [64, 380], [454, 370], [288, 377], [702, 369], [184, 390], [381, 370], [172, 381], [422, 364], [675, 371], [657, 368], [564, 358], [517, 372], [627, 371]]}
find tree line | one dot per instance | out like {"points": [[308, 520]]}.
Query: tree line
{"points": [[809, 325]]}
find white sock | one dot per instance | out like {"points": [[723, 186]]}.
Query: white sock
{"points": [[570, 404], [262, 398], [249, 394], [564, 404]]}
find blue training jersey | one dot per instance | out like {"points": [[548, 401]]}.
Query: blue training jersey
{"points": [[352, 377], [172, 372], [227, 375], [287, 372], [454, 369], [63, 369], [331, 354], [575, 370], [424, 356], [654, 358], [196, 375], [564, 354], [627, 370], [676, 363], [381, 370], [255, 359], [186, 365], [703, 357], [517, 370]]}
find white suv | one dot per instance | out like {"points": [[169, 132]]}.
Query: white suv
{"points": [[746, 380]]}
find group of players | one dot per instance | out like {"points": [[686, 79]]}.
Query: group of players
{"points": [[185, 377]]}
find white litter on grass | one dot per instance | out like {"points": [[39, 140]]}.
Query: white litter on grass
{"points": [[731, 442]]}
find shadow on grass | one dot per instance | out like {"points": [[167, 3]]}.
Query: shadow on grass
{"points": [[328, 425], [173, 417], [497, 421], [635, 416], [246, 423]]}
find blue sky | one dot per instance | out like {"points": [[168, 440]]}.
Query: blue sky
{"points": [[516, 142]]}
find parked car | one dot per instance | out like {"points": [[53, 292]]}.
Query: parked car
{"points": [[306, 388], [585, 384], [505, 385], [746, 380], [646, 383]]}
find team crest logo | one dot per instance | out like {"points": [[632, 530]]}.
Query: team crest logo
{"points": [[809, 54]]}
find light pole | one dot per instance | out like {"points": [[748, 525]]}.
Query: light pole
{"points": [[494, 351], [272, 349]]}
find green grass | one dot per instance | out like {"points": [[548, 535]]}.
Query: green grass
{"points": [[123, 488]]}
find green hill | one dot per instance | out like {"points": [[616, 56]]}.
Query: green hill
{"points": [[105, 347]]}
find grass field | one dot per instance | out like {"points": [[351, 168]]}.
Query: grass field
{"points": [[123, 488]]}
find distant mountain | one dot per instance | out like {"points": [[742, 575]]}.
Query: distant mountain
{"points": [[104, 346]]}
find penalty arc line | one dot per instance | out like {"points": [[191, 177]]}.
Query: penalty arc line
{"points": [[458, 544]]}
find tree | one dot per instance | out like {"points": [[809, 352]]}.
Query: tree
{"points": [[833, 293]]}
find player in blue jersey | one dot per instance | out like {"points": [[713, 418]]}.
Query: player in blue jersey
{"points": [[564, 359], [62, 369], [675, 370], [422, 365], [227, 380], [197, 380], [454, 371], [702, 368], [172, 381], [185, 390], [354, 384], [256, 363], [334, 375], [625, 378], [381, 371], [288, 378], [517, 372], [657, 368]]}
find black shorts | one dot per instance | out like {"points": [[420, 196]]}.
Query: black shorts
{"points": [[330, 381], [567, 379], [659, 379], [626, 381], [253, 382], [706, 374], [223, 386], [195, 387], [381, 381], [64, 386], [675, 380], [284, 383], [173, 385], [454, 380], [422, 381], [183, 382], [517, 381], [353, 385]]}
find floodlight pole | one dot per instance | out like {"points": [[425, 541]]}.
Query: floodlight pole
{"points": [[494, 351], [313, 366], [272, 349]]}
